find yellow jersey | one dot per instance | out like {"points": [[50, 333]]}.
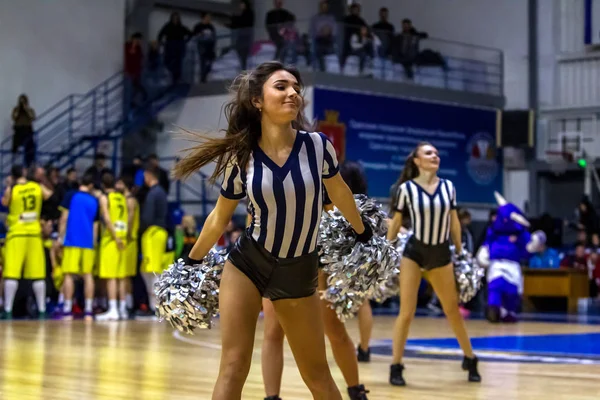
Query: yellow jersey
{"points": [[117, 211], [135, 228], [24, 209]]}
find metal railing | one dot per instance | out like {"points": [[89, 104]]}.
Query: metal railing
{"points": [[428, 62]]}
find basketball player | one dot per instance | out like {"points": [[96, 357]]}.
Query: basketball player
{"points": [[77, 235], [154, 228], [431, 204], [267, 156], [113, 260], [125, 185], [24, 249]]}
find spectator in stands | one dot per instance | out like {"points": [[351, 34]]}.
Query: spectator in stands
{"points": [[352, 24], [291, 41], [464, 217], [364, 45], [323, 29], [323, 20], [134, 60], [405, 47], [206, 40], [242, 26], [174, 35], [23, 116], [274, 22], [587, 217], [98, 169], [385, 31], [163, 178], [547, 257], [577, 260]]}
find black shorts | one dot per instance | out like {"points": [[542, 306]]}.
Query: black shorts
{"points": [[275, 278], [427, 256]]}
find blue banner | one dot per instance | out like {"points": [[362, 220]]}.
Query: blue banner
{"points": [[380, 132]]}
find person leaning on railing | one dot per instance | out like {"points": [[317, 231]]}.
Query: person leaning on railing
{"points": [[405, 47]]}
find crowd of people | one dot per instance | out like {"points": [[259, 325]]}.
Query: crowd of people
{"points": [[89, 246], [326, 35]]}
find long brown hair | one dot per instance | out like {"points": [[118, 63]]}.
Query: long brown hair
{"points": [[410, 171], [243, 125]]}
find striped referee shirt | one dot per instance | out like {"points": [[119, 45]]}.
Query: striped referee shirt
{"points": [[429, 213], [285, 202]]}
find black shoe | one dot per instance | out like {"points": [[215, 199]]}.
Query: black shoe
{"points": [[396, 378], [276, 397], [358, 392], [362, 355], [470, 364]]}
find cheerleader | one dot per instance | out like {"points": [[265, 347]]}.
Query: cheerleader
{"points": [[268, 157], [431, 204]]}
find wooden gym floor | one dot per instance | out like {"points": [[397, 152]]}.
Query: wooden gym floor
{"points": [[58, 360]]}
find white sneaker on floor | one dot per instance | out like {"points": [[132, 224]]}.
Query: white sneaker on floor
{"points": [[112, 315]]}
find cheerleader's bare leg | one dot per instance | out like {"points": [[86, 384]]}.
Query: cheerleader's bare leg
{"points": [[272, 351], [239, 306]]}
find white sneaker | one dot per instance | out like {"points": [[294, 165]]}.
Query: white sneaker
{"points": [[111, 315], [124, 315]]}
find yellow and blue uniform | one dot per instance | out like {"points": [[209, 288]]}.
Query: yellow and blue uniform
{"points": [[132, 247], [113, 262], [24, 246], [78, 253]]}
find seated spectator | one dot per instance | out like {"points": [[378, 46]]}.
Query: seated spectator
{"points": [[577, 261], [594, 274], [546, 258], [364, 45], [594, 246], [323, 22], [324, 45], [291, 40]]}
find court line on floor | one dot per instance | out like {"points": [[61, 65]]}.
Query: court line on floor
{"points": [[177, 335]]}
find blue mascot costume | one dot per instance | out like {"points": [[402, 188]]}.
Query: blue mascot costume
{"points": [[507, 243]]}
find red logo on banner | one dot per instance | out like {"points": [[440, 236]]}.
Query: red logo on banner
{"points": [[335, 131]]}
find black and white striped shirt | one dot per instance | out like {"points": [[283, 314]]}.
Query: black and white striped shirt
{"points": [[285, 202], [429, 213]]}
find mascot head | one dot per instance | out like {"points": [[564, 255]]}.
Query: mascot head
{"points": [[509, 220]]}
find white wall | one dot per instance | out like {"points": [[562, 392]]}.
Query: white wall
{"points": [[50, 49], [516, 187], [492, 23]]}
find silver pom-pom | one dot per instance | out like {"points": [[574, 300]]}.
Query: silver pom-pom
{"points": [[188, 295], [356, 270], [391, 287], [468, 274]]}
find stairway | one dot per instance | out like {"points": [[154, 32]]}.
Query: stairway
{"points": [[73, 127]]}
